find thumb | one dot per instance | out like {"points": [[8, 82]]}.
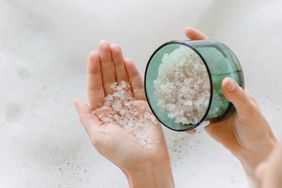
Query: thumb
{"points": [[237, 96], [89, 121], [194, 34]]}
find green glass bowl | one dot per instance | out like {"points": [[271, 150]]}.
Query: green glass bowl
{"points": [[220, 62]]}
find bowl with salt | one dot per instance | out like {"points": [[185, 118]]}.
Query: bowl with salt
{"points": [[183, 82]]}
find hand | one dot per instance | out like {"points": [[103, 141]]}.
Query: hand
{"points": [[144, 167], [246, 134]]}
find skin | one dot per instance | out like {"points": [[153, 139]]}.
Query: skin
{"points": [[247, 134], [143, 167], [269, 173]]}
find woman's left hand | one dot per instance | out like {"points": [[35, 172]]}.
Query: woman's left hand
{"points": [[144, 167]]}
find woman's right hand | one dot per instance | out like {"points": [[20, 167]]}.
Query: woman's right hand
{"points": [[247, 134]]}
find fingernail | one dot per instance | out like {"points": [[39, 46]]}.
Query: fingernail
{"points": [[103, 41], [192, 132], [231, 85], [186, 28], [103, 44]]}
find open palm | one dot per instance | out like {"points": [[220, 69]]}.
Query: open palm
{"points": [[105, 67]]}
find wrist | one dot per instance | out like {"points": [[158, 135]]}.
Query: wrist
{"points": [[139, 178], [251, 158], [155, 177], [163, 176]]}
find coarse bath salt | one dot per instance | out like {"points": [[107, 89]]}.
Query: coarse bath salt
{"points": [[119, 108], [182, 87]]}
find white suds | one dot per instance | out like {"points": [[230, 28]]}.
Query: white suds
{"points": [[120, 109], [182, 88]]}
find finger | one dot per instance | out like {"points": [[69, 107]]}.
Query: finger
{"points": [[91, 124], [80, 107], [85, 114], [108, 71], [194, 34], [118, 60], [238, 97], [96, 93], [88, 120], [135, 79], [192, 132], [252, 98]]}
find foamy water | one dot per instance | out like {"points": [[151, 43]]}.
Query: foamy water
{"points": [[43, 50]]}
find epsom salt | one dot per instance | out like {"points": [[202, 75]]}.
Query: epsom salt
{"points": [[182, 87], [120, 109]]}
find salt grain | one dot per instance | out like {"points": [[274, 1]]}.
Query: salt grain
{"points": [[119, 109], [182, 88]]}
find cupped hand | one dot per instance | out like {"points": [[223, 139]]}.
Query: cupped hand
{"points": [[246, 134], [105, 67]]}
